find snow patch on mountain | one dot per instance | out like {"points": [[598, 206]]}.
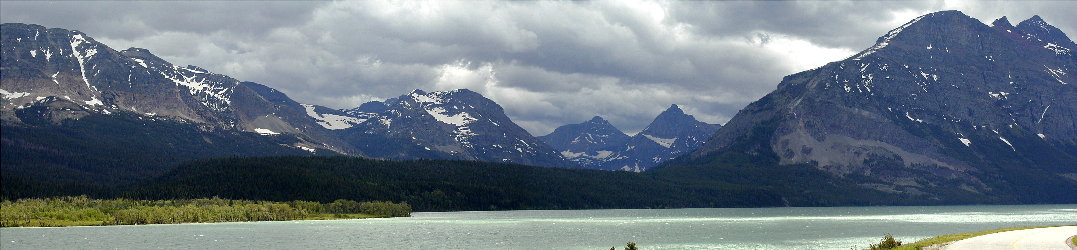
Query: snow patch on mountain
{"points": [[907, 115], [461, 119], [141, 62], [94, 101], [599, 155], [1057, 73], [1059, 50], [82, 57], [12, 95], [665, 142], [216, 95], [263, 131], [1007, 143], [421, 98], [331, 121]]}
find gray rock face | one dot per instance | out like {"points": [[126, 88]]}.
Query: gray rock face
{"points": [[597, 144], [941, 100]]}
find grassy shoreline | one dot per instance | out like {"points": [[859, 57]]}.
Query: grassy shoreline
{"points": [[83, 211], [948, 238], [322, 217]]}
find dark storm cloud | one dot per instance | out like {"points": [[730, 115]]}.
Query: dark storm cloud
{"points": [[547, 63], [134, 19], [828, 23]]}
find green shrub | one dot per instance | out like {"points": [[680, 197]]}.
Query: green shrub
{"points": [[888, 242]]}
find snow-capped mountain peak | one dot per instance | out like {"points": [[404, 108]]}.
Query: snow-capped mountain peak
{"points": [[454, 124], [598, 144]]}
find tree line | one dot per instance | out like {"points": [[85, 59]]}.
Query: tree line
{"points": [[85, 211]]}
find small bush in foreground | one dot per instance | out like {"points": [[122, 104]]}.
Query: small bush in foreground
{"points": [[630, 246], [888, 242]]}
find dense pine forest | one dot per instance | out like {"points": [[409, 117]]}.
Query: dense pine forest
{"points": [[432, 185], [438, 185], [62, 161], [98, 152]]}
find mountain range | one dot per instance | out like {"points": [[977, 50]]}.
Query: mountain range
{"points": [[942, 108], [598, 144], [56, 78], [457, 124]]}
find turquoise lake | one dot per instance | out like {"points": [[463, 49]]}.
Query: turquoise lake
{"points": [[703, 228]]}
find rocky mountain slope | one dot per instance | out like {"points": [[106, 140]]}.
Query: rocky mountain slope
{"points": [[941, 107], [598, 144], [76, 76], [457, 124]]}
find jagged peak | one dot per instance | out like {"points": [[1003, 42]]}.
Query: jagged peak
{"points": [[1002, 22], [458, 91], [1035, 27], [370, 107], [945, 17], [927, 24], [596, 124], [197, 69], [444, 92], [22, 26], [1036, 18], [140, 53], [1036, 22], [673, 111], [674, 108], [672, 115], [936, 16]]}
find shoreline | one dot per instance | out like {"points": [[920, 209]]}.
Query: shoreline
{"points": [[939, 242], [83, 211], [199, 223]]}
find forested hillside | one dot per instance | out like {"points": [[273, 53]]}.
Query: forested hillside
{"points": [[431, 185]]}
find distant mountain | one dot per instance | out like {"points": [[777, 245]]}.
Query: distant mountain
{"points": [[597, 144], [590, 144], [457, 124], [942, 107]]}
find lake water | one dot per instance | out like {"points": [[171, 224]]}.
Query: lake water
{"points": [[710, 228]]}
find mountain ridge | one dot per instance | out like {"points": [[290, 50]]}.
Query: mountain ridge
{"points": [[671, 134], [942, 101], [69, 66]]}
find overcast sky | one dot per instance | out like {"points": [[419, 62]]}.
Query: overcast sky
{"points": [[546, 63]]}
